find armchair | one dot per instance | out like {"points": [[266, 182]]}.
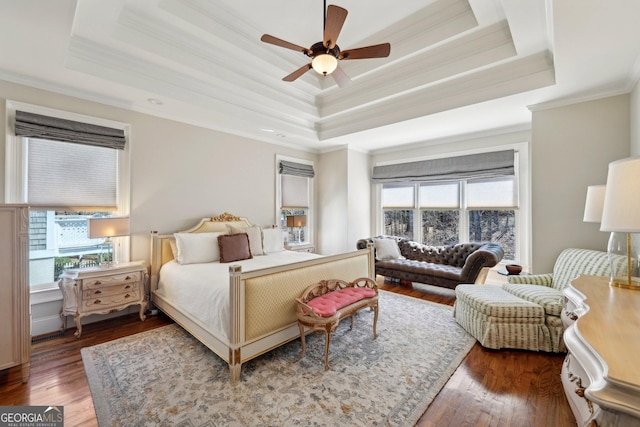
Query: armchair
{"points": [[526, 312]]}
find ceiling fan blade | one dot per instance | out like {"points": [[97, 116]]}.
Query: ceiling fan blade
{"points": [[333, 25], [297, 73], [341, 77], [375, 51], [279, 42]]}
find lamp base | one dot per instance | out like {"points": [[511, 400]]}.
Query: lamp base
{"points": [[624, 283]]}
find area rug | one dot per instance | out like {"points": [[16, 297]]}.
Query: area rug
{"points": [[166, 377]]}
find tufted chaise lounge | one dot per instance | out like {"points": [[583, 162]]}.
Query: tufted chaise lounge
{"points": [[445, 266], [526, 313]]}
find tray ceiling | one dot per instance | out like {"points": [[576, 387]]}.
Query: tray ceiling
{"points": [[456, 66]]}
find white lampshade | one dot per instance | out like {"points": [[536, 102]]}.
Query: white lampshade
{"points": [[594, 203], [324, 64], [108, 227], [621, 211]]}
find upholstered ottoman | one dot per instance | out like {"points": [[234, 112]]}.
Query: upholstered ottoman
{"points": [[498, 319]]}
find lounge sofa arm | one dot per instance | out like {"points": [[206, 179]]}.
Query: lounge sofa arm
{"points": [[488, 255], [545, 279]]}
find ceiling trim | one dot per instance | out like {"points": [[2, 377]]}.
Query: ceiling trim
{"points": [[508, 78], [473, 50]]}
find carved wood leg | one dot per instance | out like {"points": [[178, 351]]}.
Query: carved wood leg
{"points": [[78, 322], [142, 315], [327, 342], [302, 339], [375, 320], [352, 317]]}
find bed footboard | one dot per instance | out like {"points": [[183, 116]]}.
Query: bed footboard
{"points": [[263, 307]]}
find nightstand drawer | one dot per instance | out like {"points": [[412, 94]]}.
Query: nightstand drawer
{"points": [[112, 289], [113, 280], [117, 301]]}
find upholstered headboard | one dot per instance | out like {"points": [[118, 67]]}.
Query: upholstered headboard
{"points": [[161, 252]]}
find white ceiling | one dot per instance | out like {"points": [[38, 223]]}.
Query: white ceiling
{"points": [[457, 67]]}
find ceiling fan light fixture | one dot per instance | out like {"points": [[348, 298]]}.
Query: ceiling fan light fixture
{"points": [[324, 63]]}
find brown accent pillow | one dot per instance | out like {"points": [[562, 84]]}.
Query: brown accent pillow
{"points": [[234, 247]]}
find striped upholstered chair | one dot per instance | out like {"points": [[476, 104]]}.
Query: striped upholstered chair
{"points": [[526, 312]]}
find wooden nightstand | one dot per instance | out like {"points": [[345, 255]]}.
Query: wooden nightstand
{"points": [[97, 290]]}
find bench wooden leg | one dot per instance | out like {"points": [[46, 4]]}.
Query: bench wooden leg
{"points": [[327, 343], [302, 339], [375, 321]]}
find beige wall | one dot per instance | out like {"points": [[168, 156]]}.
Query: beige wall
{"points": [[634, 116], [179, 173], [571, 149]]}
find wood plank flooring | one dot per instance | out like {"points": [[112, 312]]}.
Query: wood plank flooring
{"points": [[490, 388]]}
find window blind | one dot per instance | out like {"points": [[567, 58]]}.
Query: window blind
{"points": [[440, 195], [71, 176], [499, 192], [296, 169], [398, 196], [295, 192], [33, 125], [473, 166]]}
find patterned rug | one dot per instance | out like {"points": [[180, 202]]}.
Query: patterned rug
{"points": [[166, 377]]}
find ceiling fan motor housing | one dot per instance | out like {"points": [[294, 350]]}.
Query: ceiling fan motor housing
{"points": [[319, 48]]}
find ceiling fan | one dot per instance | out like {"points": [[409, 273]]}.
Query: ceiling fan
{"points": [[326, 54]]}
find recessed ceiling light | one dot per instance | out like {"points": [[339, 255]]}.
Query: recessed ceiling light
{"points": [[267, 130], [155, 101]]}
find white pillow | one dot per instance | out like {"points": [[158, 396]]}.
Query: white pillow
{"points": [[195, 248], [272, 240], [386, 249], [255, 237]]}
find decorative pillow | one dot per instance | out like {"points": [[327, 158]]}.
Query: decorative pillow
{"points": [[234, 247], [255, 237], [272, 240], [386, 249], [195, 248]]}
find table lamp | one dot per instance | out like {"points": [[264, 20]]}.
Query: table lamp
{"points": [[107, 228], [621, 213], [297, 221]]}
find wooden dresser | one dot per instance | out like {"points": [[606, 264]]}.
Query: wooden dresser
{"points": [[98, 290], [15, 311], [601, 373]]}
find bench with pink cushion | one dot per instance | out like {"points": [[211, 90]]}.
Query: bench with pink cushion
{"points": [[323, 305]]}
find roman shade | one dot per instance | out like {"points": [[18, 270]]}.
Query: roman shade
{"points": [[473, 166], [31, 125], [296, 169]]}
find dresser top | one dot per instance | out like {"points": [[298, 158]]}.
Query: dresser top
{"points": [[611, 326]]}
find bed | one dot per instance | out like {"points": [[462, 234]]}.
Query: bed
{"points": [[240, 309]]}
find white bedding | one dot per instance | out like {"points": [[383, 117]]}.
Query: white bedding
{"points": [[202, 290]]}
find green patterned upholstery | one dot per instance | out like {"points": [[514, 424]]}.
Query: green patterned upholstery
{"points": [[498, 319], [525, 312]]}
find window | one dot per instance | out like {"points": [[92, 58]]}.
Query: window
{"points": [[65, 183], [294, 185], [446, 210]]}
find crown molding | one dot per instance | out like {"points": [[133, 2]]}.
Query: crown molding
{"points": [[474, 50], [507, 78]]}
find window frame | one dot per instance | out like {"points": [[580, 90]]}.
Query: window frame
{"points": [[522, 213], [16, 167], [310, 211]]}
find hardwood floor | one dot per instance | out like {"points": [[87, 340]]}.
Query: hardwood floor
{"points": [[490, 388]]}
